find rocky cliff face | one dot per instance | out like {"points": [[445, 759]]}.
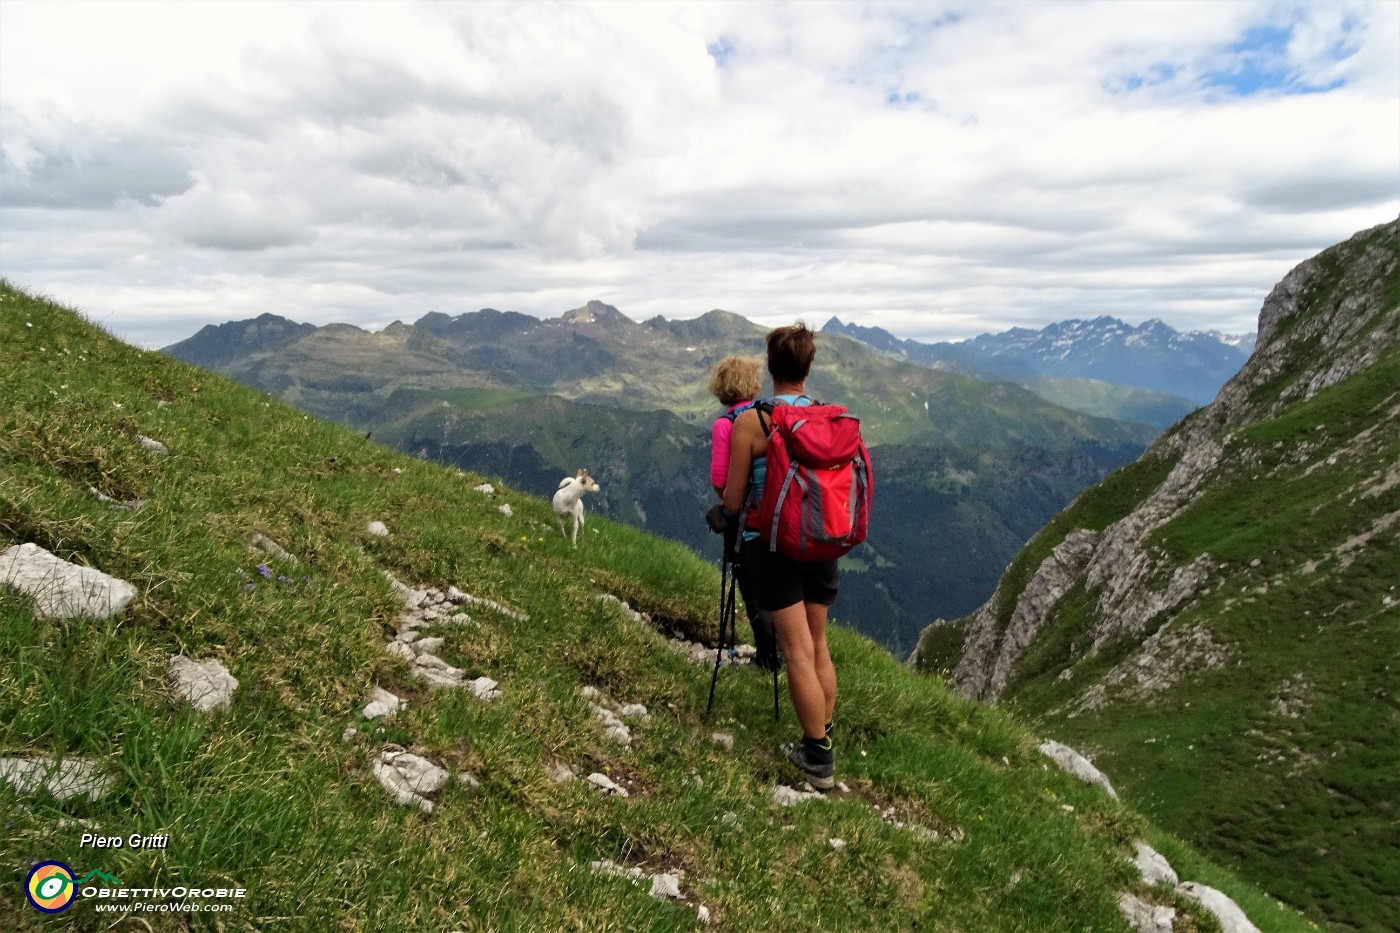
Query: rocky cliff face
{"points": [[1218, 622], [1328, 320]]}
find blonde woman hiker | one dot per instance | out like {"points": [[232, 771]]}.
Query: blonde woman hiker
{"points": [[736, 382]]}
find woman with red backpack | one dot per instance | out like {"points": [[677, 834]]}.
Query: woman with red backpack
{"points": [[796, 592]]}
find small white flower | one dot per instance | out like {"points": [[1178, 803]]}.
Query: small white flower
{"points": [[28, 324]]}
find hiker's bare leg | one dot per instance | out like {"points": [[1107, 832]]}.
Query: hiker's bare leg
{"points": [[808, 696], [821, 657]]}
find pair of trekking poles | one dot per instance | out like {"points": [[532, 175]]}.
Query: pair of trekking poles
{"points": [[728, 619]]}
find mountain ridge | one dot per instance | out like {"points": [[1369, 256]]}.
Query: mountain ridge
{"points": [[1153, 355], [1245, 566]]}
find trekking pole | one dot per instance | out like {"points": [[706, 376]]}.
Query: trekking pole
{"points": [[726, 610], [775, 691]]}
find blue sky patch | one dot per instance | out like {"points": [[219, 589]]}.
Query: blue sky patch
{"points": [[721, 50], [1255, 63]]}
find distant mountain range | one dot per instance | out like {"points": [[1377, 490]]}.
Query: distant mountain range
{"points": [[1191, 365], [966, 468]]}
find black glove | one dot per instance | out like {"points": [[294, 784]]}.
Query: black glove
{"points": [[717, 519]]}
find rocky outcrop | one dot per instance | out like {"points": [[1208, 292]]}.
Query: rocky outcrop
{"points": [[991, 650], [1193, 586], [1325, 322]]}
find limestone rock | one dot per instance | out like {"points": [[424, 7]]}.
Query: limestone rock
{"points": [[261, 542], [785, 796], [990, 652], [426, 645], [400, 650], [378, 529], [1154, 867], [1144, 917], [206, 685], [635, 711], [485, 688], [64, 780], [1232, 919], [506, 510], [154, 446], [485, 489], [421, 775], [395, 784], [491, 604], [409, 778], [605, 784], [62, 590], [665, 885], [381, 703], [121, 505], [1076, 764], [560, 774], [724, 740]]}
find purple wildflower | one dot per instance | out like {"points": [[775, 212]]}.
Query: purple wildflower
{"points": [[265, 570], [282, 579]]}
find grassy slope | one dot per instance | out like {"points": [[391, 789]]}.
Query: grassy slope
{"points": [[1317, 784], [266, 795]]}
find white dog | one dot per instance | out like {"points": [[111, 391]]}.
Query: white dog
{"points": [[569, 501]]}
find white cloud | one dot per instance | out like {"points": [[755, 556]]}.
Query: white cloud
{"points": [[938, 169]]}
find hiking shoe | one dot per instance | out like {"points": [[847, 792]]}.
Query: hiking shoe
{"points": [[821, 775]]}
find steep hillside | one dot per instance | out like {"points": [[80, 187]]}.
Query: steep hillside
{"points": [[243, 528], [1222, 619]]}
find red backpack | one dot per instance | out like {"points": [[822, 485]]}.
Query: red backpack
{"points": [[818, 486]]}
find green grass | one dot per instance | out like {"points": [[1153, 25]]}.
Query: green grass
{"points": [[267, 796]]}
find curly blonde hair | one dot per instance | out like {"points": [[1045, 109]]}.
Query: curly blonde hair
{"points": [[736, 379]]}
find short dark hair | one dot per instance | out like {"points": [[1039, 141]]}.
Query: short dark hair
{"points": [[790, 352]]}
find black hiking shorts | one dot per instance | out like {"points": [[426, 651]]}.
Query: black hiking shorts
{"points": [[776, 582]]}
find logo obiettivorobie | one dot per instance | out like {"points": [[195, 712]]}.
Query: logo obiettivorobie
{"points": [[51, 887]]}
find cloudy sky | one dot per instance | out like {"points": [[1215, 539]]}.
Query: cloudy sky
{"points": [[938, 169]]}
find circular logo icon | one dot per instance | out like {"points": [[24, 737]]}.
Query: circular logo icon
{"points": [[50, 887]]}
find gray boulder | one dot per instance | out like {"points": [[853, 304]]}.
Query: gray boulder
{"points": [[62, 590], [1076, 764], [206, 685], [409, 778]]}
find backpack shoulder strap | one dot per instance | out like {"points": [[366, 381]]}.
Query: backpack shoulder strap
{"points": [[735, 412], [765, 407]]}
